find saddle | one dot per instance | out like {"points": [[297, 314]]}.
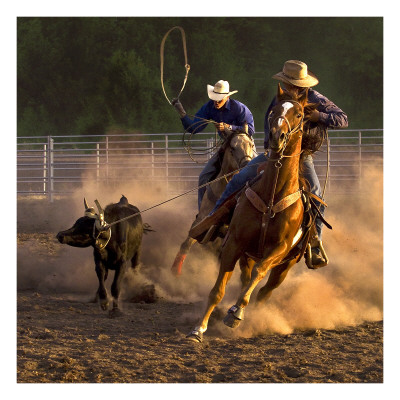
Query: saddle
{"points": [[215, 225]]}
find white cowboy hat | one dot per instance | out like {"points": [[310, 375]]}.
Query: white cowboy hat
{"points": [[296, 73], [219, 91]]}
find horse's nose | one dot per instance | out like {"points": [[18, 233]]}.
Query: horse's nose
{"points": [[60, 237]]}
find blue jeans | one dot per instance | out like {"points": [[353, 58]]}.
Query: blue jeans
{"points": [[250, 171]]}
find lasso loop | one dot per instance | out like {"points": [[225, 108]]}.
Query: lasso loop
{"points": [[187, 66]]}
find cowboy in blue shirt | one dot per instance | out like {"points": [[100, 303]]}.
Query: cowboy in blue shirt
{"points": [[294, 76], [228, 115]]}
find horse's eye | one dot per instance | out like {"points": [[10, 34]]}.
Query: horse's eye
{"points": [[298, 115]]}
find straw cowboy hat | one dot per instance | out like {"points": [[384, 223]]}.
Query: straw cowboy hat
{"points": [[219, 91], [296, 73]]}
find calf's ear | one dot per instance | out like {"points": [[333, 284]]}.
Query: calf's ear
{"points": [[85, 203]]}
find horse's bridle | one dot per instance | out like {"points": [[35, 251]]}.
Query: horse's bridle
{"points": [[244, 158], [291, 130]]}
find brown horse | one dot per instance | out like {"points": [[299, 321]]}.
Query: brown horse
{"points": [[235, 152], [268, 216]]}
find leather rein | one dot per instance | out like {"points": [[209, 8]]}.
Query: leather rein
{"points": [[270, 209]]}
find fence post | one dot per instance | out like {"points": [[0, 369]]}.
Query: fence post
{"points": [[107, 159], [97, 162], [50, 167], [44, 168], [166, 163], [359, 158], [152, 160], [210, 143]]}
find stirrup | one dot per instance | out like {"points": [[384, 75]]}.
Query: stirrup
{"points": [[308, 256]]}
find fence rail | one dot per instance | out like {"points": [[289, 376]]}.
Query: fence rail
{"points": [[58, 165]]}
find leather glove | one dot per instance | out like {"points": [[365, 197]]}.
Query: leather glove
{"points": [[178, 107], [224, 128]]}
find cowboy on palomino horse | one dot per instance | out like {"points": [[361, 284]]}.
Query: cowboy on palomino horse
{"points": [[228, 115], [296, 77]]}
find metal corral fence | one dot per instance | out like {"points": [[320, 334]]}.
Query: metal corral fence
{"points": [[58, 165]]}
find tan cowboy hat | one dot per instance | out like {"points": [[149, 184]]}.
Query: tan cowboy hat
{"points": [[219, 91], [296, 73]]}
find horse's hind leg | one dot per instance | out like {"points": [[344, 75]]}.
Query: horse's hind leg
{"points": [[181, 255], [276, 277], [258, 273]]}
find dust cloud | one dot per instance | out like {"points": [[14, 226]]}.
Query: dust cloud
{"points": [[346, 292]]}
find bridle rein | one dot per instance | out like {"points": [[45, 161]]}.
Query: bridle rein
{"points": [[268, 209]]}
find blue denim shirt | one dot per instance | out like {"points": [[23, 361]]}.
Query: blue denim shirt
{"points": [[330, 115], [233, 113]]}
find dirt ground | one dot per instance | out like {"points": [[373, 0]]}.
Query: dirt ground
{"points": [[323, 326]]}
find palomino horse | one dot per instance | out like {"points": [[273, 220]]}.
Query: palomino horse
{"points": [[236, 152], [268, 215]]}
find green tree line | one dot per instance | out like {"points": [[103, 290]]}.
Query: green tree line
{"points": [[93, 75]]}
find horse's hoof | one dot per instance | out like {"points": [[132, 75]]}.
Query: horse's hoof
{"points": [[195, 336], [115, 312], [234, 316], [104, 305], [231, 321]]}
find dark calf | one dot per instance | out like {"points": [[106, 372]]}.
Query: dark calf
{"points": [[114, 247]]}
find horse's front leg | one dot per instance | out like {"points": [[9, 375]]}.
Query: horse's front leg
{"points": [[215, 296], [246, 266]]}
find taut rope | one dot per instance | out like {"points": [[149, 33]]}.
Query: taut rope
{"points": [[107, 226]]}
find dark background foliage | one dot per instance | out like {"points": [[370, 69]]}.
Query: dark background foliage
{"points": [[90, 75]]}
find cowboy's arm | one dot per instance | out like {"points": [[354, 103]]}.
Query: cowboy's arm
{"points": [[329, 114], [245, 117], [198, 124]]}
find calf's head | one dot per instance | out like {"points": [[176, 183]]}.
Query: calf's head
{"points": [[84, 232]]}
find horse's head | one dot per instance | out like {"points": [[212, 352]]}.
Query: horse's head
{"points": [[240, 147], [286, 118]]}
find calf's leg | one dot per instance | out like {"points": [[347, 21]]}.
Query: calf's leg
{"points": [[115, 289], [102, 273]]}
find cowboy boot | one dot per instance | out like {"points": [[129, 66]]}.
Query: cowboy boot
{"points": [[315, 254], [318, 259]]}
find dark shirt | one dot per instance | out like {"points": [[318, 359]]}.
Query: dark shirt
{"points": [[330, 115], [233, 113]]}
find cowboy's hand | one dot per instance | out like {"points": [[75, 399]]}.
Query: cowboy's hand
{"points": [[223, 127], [178, 107], [314, 116]]}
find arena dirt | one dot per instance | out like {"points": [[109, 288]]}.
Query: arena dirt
{"points": [[319, 326]]}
